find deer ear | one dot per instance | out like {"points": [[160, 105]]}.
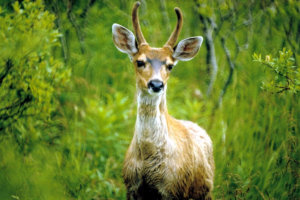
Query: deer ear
{"points": [[124, 39], [187, 49]]}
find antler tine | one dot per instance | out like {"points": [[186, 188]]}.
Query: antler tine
{"points": [[173, 38], [136, 24]]}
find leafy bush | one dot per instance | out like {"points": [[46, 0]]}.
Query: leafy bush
{"points": [[30, 82], [286, 74], [94, 147], [30, 76]]}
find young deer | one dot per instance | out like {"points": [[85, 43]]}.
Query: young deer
{"points": [[167, 158]]}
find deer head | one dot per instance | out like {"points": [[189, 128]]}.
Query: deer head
{"points": [[153, 65]]}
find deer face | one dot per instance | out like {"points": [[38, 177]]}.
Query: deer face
{"points": [[153, 65]]}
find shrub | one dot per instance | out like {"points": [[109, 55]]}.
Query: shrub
{"points": [[286, 74], [29, 75]]}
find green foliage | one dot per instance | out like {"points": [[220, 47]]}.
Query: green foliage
{"points": [[286, 74], [97, 138], [70, 140], [22, 176], [29, 74]]}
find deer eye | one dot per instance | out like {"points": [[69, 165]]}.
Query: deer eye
{"points": [[140, 63], [170, 67]]}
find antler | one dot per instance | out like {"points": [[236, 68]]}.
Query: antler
{"points": [[173, 38], [136, 24]]}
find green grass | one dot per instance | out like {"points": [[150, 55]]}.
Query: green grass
{"points": [[79, 154]]}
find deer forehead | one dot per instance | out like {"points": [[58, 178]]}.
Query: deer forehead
{"points": [[155, 56]]}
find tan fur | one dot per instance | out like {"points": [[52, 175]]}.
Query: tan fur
{"points": [[167, 158], [145, 74], [179, 163]]}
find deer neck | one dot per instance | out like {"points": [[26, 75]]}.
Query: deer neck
{"points": [[151, 123]]}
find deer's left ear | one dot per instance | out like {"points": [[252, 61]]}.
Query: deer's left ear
{"points": [[187, 49]]}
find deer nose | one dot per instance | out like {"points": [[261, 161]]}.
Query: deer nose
{"points": [[156, 85]]}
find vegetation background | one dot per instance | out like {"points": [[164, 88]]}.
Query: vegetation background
{"points": [[67, 95]]}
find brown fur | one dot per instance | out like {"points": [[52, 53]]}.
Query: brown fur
{"points": [[149, 171], [145, 74], [167, 158], [176, 176]]}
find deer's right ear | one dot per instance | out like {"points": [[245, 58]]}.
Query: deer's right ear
{"points": [[124, 39]]}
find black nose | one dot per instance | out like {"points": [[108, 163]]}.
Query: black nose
{"points": [[156, 85]]}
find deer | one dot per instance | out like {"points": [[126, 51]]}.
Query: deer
{"points": [[167, 158]]}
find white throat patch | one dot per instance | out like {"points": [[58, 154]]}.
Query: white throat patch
{"points": [[151, 124]]}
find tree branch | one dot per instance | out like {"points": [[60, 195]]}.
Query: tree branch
{"points": [[8, 66], [72, 19], [63, 40], [231, 69], [86, 9], [279, 73], [209, 26], [20, 105], [211, 59]]}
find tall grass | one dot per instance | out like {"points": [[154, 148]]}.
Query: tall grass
{"points": [[255, 133]]}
